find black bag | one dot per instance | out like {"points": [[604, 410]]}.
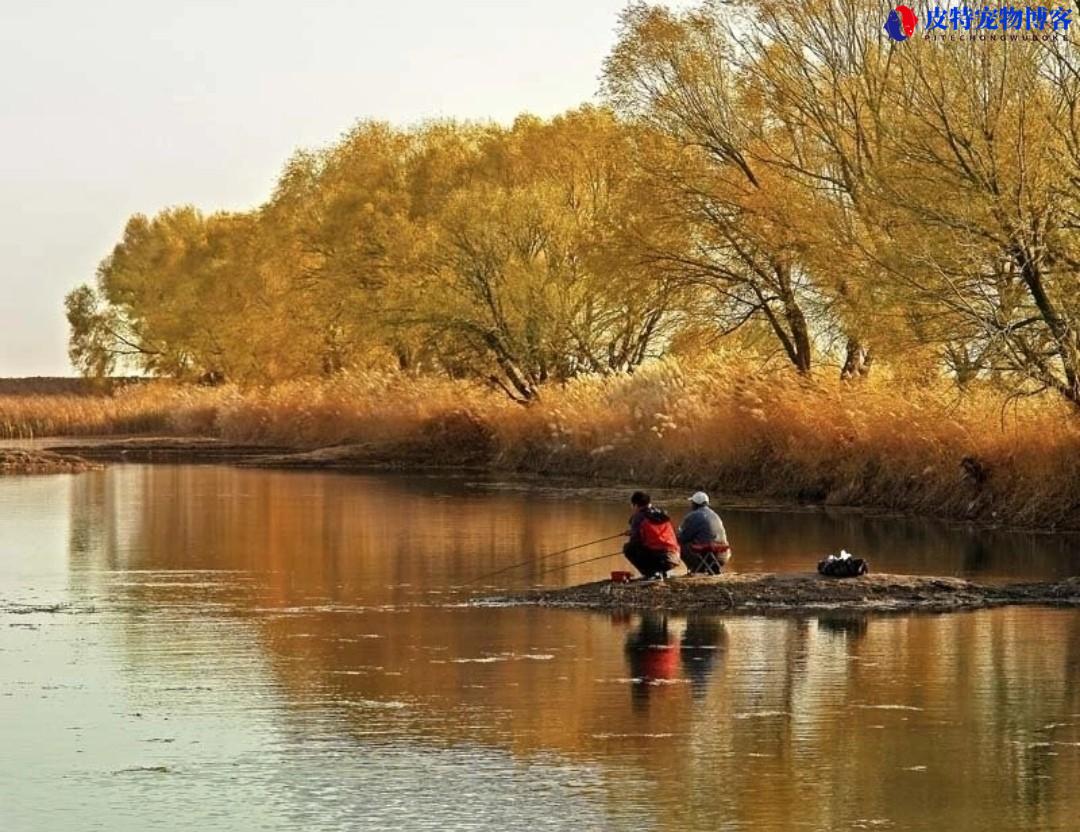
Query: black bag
{"points": [[834, 567]]}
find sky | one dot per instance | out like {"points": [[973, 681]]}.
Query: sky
{"points": [[116, 107]]}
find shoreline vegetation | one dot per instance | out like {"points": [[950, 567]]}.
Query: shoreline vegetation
{"points": [[713, 424]]}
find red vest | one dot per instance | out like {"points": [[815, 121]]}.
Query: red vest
{"points": [[660, 537]]}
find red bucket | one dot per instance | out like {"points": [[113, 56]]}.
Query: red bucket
{"points": [[621, 577]]}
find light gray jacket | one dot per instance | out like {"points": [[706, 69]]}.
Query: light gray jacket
{"points": [[702, 525]]}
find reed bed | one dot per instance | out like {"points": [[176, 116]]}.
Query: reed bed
{"points": [[128, 411], [716, 425]]}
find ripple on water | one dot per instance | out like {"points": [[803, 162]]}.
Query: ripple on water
{"points": [[761, 714], [499, 657]]}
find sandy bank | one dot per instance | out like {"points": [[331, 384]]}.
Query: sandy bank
{"points": [[800, 592]]}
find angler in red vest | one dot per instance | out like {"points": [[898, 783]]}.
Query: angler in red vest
{"points": [[652, 548]]}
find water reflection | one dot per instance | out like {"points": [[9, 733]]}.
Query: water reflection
{"points": [[852, 625], [652, 653], [765, 542], [301, 632], [657, 654], [703, 648]]}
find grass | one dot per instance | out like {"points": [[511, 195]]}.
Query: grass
{"points": [[715, 425]]}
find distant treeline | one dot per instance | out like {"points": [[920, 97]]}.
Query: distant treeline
{"points": [[64, 386], [779, 178]]}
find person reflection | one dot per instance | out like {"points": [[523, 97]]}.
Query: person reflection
{"points": [[704, 643], [652, 654], [852, 625]]}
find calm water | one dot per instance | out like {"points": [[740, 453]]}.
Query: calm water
{"points": [[246, 650]]}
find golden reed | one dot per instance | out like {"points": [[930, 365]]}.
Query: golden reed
{"points": [[716, 425]]}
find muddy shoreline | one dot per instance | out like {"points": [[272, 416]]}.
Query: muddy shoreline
{"points": [[18, 461], [798, 593], [185, 450]]}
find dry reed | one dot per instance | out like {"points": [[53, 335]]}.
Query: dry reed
{"points": [[713, 425]]}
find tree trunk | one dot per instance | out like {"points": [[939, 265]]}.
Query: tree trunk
{"points": [[525, 390], [856, 361], [1066, 344], [800, 333], [797, 340]]}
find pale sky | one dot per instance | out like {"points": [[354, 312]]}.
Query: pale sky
{"points": [[112, 107]]}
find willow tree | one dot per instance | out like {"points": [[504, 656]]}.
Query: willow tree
{"points": [[619, 311], [100, 340], [340, 221], [722, 219], [818, 75], [979, 203], [522, 281], [170, 297]]}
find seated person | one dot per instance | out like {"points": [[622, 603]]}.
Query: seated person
{"points": [[702, 538], [652, 547]]}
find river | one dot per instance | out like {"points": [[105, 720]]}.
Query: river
{"points": [[212, 648]]}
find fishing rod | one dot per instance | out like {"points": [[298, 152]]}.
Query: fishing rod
{"points": [[579, 563], [544, 557]]}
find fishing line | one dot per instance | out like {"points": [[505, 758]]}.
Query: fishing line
{"points": [[544, 557]]}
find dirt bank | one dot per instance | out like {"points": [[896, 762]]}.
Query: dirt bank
{"points": [[800, 592], [165, 449], [401, 456], [19, 461]]}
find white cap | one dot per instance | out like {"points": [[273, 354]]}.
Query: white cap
{"points": [[700, 498]]}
